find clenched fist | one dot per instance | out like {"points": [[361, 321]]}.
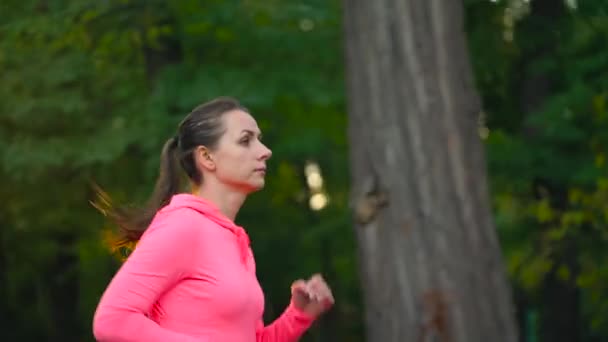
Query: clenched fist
{"points": [[312, 296]]}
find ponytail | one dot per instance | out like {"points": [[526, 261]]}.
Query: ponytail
{"points": [[132, 222]]}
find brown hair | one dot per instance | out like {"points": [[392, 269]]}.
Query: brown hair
{"points": [[202, 126]]}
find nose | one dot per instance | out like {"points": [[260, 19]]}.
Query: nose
{"points": [[266, 153]]}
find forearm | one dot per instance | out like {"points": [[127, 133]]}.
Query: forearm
{"points": [[289, 327], [122, 326]]}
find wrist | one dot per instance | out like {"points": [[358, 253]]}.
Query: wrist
{"points": [[301, 312]]}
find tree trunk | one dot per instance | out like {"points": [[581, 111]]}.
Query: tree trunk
{"points": [[539, 36], [430, 260], [6, 315], [63, 287]]}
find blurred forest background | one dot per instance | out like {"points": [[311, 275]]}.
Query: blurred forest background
{"points": [[90, 90]]}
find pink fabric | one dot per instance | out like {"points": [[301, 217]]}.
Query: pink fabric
{"points": [[191, 278]]}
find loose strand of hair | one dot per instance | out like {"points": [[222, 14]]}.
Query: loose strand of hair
{"points": [[133, 221]]}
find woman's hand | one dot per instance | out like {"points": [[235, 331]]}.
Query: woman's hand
{"points": [[313, 296]]}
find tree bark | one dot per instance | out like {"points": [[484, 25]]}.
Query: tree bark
{"points": [[430, 261]]}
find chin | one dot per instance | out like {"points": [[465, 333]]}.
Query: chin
{"points": [[259, 186], [250, 188]]}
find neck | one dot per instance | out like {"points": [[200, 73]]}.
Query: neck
{"points": [[227, 200]]}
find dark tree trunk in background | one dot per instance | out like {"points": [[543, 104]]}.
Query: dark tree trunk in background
{"points": [[431, 264], [6, 315], [63, 286], [539, 36], [560, 313]]}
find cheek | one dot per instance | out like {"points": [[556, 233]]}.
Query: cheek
{"points": [[231, 164]]}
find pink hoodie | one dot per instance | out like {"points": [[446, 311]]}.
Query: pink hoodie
{"points": [[191, 278]]}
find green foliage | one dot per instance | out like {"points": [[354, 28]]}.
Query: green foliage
{"points": [[544, 97], [90, 91]]}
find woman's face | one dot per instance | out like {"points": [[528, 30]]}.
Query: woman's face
{"points": [[239, 159]]}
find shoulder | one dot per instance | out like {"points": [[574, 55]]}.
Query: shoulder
{"points": [[183, 224]]}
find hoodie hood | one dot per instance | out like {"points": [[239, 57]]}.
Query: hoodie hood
{"points": [[212, 212]]}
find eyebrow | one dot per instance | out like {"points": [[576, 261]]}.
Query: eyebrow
{"points": [[250, 132]]}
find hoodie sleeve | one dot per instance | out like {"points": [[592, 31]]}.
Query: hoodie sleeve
{"points": [[158, 262], [289, 327]]}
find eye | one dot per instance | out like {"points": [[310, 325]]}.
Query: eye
{"points": [[245, 141]]}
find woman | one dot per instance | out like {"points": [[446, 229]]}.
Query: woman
{"points": [[192, 275]]}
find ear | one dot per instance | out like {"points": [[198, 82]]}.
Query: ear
{"points": [[203, 157]]}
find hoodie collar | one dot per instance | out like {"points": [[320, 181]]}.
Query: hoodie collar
{"points": [[212, 212]]}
